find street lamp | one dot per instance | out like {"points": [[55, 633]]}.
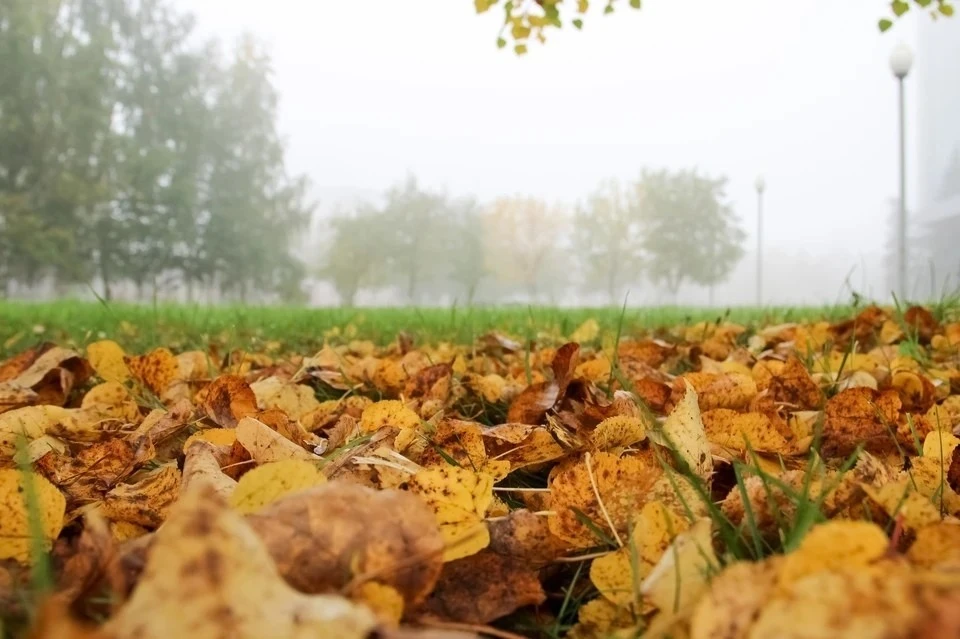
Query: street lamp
{"points": [[901, 59], [761, 186]]}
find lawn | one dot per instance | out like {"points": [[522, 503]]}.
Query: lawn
{"points": [[139, 327]]}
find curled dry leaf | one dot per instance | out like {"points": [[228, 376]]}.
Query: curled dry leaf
{"points": [[147, 501], [388, 412], [228, 399], [521, 444], [324, 538], [208, 575], [266, 445], [745, 431], [201, 466], [718, 390]]}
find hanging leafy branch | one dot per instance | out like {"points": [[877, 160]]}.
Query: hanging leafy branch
{"points": [[526, 19]]}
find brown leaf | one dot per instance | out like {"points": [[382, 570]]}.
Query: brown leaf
{"points": [[921, 322], [324, 537], [228, 399], [208, 576], [482, 588], [526, 537], [146, 502], [860, 415], [532, 404], [794, 388]]}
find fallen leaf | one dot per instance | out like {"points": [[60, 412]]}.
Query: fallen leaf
{"points": [[228, 399], [107, 359], [685, 433], [266, 445], [208, 575], [482, 588], [622, 484], [324, 537], [459, 499], [147, 501], [15, 530], [267, 483]]}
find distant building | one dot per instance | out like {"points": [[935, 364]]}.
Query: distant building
{"points": [[937, 201]]}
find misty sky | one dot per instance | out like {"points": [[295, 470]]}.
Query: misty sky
{"points": [[800, 91]]}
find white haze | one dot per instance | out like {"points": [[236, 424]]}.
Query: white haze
{"points": [[372, 90]]}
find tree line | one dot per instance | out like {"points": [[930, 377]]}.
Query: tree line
{"points": [[132, 152], [135, 155], [666, 228]]}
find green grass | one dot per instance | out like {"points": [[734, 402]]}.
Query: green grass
{"points": [[179, 327]]}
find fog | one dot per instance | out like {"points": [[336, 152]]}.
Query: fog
{"points": [[373, 92]]}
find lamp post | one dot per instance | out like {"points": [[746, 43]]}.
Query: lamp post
{"points": [[761, 186], [901, 59]]}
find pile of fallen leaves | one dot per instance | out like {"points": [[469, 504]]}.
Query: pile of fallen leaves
{"points": [[800, 480]]}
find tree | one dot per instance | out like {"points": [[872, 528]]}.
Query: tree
{"points": [[415, 227], [524, 19], [522, 239], [465, 250], [609, 240], [253, 208], [689, 231], [353, 257]]}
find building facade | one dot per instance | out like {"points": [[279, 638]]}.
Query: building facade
{"points": [[935, 271]]}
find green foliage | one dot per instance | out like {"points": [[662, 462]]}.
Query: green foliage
{"points": [[422, 242], [525, 18], [130, 153], [689, 231]]}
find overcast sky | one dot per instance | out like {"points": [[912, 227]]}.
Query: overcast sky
{"points": [[800, 92]]}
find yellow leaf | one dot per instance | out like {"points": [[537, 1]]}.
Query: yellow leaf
{"points": [[32, 422], [684, 571], [617, 432], [833, 545], [586, 332], [216, 436], [460, 499], [267, 445], [684, 432], [296, 400], [383, 600], [936, 545], [267, 483], [111, 399], [900, 499], [601, 618], [106, 358], [15, 533], [618, 575], [622, 483], [389, 412], [940, 445]]}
